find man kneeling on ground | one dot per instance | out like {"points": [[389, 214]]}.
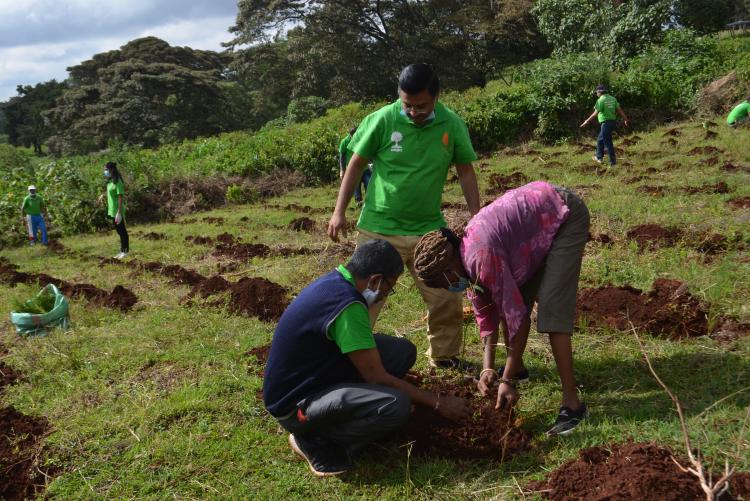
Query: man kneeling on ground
{"points": [[329, 381]]}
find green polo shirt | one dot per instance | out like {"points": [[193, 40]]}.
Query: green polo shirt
{"points": [[607, 106], [740, 111], [32, 205], [411, 166], [351, 330], [113, 190]]}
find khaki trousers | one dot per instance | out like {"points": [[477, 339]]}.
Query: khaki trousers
{"points": [[444, 315]]}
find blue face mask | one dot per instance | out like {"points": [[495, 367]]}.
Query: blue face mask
{"points": [[107, 174], [463, 284]]}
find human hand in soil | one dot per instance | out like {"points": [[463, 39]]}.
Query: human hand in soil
{"points": [[454, 408], [507, 396], [486, 381], [335, 225]]}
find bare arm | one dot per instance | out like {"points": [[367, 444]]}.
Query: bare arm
{"points": [[488, 376], [371, 369], [352, 175], [590, 118], [623, 115], [468, 179], [119, 203]]}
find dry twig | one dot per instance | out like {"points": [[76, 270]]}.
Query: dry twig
{"points": [[713, 490]]}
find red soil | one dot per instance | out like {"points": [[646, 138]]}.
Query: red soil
{"points": [[602, 238], [214, 220], [226, 238], [657, 191], [668, 310], [710, 135], [23, 476], [705, 150], [260, 353], [710, 161], [720, 187], [208, 287], [199, 240], [241, 252], [730, 167], [672, 132], [634, 179], [628, 471], [671, 142], [653, 236], [120, 298], [500, 184], [731, 330], [489, 433], [740, 202], [258, 297], [182, 275], [154, 236], [302, 224], [8, 375]]}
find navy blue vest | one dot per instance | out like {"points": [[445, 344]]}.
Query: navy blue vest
{"points": [[303, 360]]}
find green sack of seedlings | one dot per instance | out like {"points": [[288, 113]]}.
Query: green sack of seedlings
{"points": [[37, 315]]}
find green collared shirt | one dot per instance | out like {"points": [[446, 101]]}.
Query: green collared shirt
{"points": [[351, 330]]}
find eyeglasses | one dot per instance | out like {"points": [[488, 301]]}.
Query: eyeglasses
{"points": [[417, 108]]}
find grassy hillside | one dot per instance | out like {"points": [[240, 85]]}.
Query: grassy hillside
{"points": [[161, 401]]}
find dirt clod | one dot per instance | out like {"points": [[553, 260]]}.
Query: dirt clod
{"points": [[154, 236], [120, 298], [740, 202], [627, 471], [668, 310], [653, 236], [720, 187], [499, 183], [23, 475], [208, 287], [258, 297], [242, 252], [302, 224], [199, 240], [488, 434]]}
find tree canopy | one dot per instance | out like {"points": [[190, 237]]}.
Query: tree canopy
{"points": [[22, 120], [147, 92]]}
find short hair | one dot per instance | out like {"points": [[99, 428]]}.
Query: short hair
{"points": [[352, 130], [416, 78], [601, 88], [375, 257], [434, 252]]}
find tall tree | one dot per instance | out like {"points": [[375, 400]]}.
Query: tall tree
{"points": [[23, 121], [148, 93]]}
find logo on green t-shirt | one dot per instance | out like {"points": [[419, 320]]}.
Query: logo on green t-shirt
{"points": [[396, 138]]}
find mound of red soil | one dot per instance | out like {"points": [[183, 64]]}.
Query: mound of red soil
{"points": [[672, 132], [602, 238], [199, 240], [710, 161], [258, 297], [653, 236], [670, 165], [731, 330], [209, 286], [260, 353], [214, 220], [730, 167], [670, 142], [710, 135], [22, 475], [740, 202], [627, 471], [302, 224], [56, 247], [182, 275], [720, 187], [657, 191], [154, 236], [8, 375], [705, 150], [499, 184], [87, 291], [712, 244], [488, 434], [226, 238], [242, 252], [120, 298], [668, 310]]}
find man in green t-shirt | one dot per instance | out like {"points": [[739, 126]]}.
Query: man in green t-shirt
{"points": [[345, 155], [413, 142], [606, 110], [31, 211], [739, 114]]}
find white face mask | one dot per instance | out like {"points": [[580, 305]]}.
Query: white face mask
{"points": [[370, 295]]}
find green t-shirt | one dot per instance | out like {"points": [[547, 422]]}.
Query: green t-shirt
{"points": [[32, 205], [606, 105], [113, 190], [344, 153], [351, 330], [740, 111], [411, 166]]}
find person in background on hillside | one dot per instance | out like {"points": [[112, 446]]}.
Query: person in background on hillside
{"points": [[116, 205], [413, 142], [32, 210], [606, 110], [344, 157], [329, 381], [740, 114], [525, 247]]}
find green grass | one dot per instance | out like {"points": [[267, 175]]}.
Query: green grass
{"points": [[160, 402]]}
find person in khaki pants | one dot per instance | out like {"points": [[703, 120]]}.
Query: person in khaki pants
{"points": [[412, 142]]}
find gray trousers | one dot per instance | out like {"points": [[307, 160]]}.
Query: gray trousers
{"points": [[352, 414]]}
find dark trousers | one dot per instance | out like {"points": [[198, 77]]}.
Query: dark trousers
{"points": [[352, 414], [605, 141], [123, 232], [362, 184]]}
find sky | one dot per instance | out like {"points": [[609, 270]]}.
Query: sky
{"points": [[39, 39]]}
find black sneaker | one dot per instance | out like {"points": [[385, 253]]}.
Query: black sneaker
{"points": [[520, 377], [567, 420], [324, 461], [455, 363]]}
